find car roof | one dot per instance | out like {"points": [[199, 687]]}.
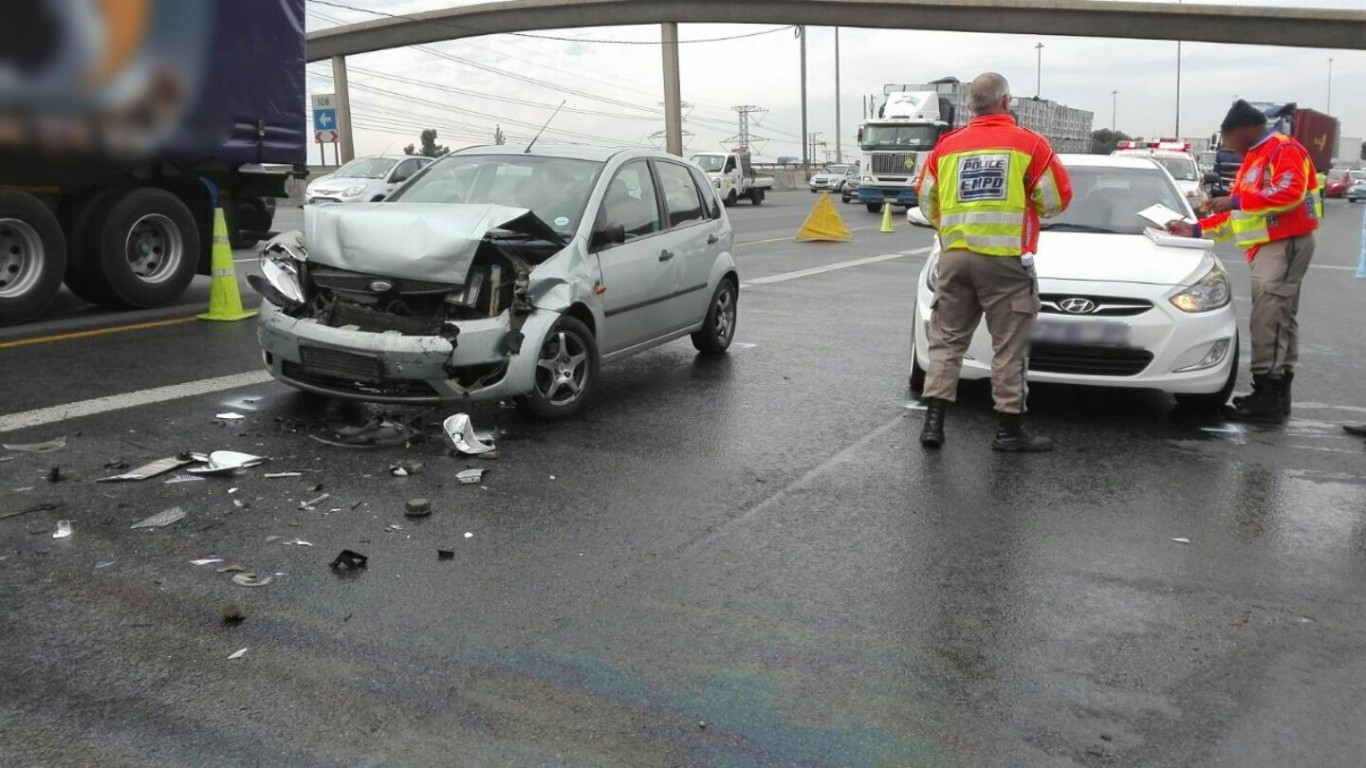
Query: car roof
{"points": [[1142, 162], [568, 151]]}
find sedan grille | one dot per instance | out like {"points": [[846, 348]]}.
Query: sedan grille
{"points": [[893, 162], [1088, 360], [358, 282], [1100, 306], [342, 365]]}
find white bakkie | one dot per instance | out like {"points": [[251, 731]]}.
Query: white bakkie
{"points": [[1118, 308], [733, 176]]}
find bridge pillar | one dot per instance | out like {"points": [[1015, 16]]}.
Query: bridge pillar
{"points": [[673, 96], [348, 145]]}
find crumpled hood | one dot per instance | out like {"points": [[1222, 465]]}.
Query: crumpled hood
{"points": [[436, 242]]}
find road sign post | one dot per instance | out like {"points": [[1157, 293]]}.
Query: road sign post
{"points": [[325, 129]]}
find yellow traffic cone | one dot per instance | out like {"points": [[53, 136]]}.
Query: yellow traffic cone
{"points": [[225, 301], [824, 223], [886, 219]]}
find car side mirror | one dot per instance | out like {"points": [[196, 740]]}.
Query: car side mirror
{"points": [[607, 236], [916, 218], [1211, 178], [378, 198]]}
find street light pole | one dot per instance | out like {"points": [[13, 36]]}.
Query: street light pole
{"points": [[1114, 109], [806, 152], [839, 133], [1329, 108], [1038, 72], [1178, 86]]}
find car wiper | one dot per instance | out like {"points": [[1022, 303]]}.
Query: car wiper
{"points": [[1066, 227]]}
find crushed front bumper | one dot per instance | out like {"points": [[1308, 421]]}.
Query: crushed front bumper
{"points": [[392, 368]]}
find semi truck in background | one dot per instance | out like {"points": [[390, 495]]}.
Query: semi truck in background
{"points": [[1317, 131], [124, 125], [894, 144]]}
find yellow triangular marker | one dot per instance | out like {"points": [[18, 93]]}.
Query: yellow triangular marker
{"points": [[824, 223], [225, 301]]}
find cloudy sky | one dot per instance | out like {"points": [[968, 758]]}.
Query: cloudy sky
{"points": [[612, 91]]}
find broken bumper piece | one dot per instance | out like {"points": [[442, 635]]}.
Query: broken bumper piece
{"points": [[393, 368]]}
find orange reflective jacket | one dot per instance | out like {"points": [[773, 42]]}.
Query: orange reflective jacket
{"points": [[1275, 197]]}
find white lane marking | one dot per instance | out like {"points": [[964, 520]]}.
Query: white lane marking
{"points": [[56, 413], [785, 276], [1331, 266]]}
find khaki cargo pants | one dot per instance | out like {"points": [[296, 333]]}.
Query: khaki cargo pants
{"points": [[969, 286], [1277, 274]]}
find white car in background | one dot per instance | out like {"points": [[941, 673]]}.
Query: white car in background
{"points": [[1179, 162], [1118, 309], [364, 180], [833, 178]]}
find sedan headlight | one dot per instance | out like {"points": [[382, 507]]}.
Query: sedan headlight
{"points": [[355, 190], [1209, 292], [281, 261], [867, 179]]}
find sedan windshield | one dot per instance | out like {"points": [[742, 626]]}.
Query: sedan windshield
{"points": [[366, 168], [836, 170], [709, 163], [554, 188], [1109, 199], [1181, 168], [908, 136]]}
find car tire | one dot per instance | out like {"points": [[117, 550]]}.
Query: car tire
{"points": [[874, 208], [1211, 403], [148, 248], [568, 356], [918, 374], [718, 330], [32, 257]]}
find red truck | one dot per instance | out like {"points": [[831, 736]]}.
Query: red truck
{"points": [[1315, 130]]}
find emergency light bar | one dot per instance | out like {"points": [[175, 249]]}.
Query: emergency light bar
{"points": [[1173, 145]]}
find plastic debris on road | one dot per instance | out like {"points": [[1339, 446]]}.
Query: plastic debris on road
{"points": [[469, 535], [226, 463], [311, 503], [229, 416], [56, 444], [471, 476], [1181, 540], [238, 654], [407, 467], [161, 519], [417, 508], [298, 543], [233, 614], [234, 568], [445, 554], [43, 506], [278, 475], [349, 561], [184, 479], [63, 529], [250, 579], [459, 433], [376, 433], [158, 467], [206, 561]]}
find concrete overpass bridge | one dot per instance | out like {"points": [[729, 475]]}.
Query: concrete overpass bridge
{"points": [[1295, 27]]}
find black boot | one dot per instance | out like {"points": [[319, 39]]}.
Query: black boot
{"points": [[1012, 437], [1238, 400], [1285, 393], [932, 436], [1265, 405]]}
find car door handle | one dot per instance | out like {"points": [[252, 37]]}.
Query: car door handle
{"points": [[666, 255], [713, 239]]}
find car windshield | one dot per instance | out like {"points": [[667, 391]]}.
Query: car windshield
{"points": [[366, 168], [908, 136], [1357, 175], [1336, 174], [554, 188], [1109, 199], [709, 163], [1181, 168], [837, 170]]}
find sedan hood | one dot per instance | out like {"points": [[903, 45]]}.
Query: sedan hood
{"points": [[434, 242], [1117, 259]]}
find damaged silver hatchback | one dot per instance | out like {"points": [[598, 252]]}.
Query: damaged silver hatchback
{"points": [[500, 272]]}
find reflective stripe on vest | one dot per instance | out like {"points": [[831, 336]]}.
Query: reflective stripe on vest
{"points": [[1249, 229], [983, 200]]}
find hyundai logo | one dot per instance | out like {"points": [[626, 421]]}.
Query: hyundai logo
{"points": [[1077, 306], [381, 286]]}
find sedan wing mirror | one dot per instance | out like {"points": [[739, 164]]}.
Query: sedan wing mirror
{"points": [[916, 217], [607, 236]]}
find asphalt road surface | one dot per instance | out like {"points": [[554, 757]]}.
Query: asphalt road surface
{"points": [[737, 562]]}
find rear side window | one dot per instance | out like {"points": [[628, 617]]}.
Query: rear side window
{"points": [[709, 199], [681, 197]]}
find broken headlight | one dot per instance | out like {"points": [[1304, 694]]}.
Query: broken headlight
{"points": [[281, 260]]}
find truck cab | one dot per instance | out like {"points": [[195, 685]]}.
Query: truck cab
{"points": [[895, 144]]}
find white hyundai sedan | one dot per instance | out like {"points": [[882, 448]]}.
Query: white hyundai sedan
{"points": [[1118, 308]]}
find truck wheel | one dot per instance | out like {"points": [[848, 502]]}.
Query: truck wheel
{"points": [[874, 208], [148, 248], [84, 273], [731, 198], [756, 196], [32, 257]]}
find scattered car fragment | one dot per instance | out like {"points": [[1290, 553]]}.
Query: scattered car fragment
{"points": [[460, 436], [417, 508], [470, 476], [63, 529], [500, 272], [56, 444], [349, 561], [229, 416], [161, 519], [249, 579], [238, 654], [279, 475], [377, 433], [311, 503], [206, 561], [226, 463]]}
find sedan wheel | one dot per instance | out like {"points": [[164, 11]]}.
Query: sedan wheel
{"points": [[566, 371], [718, 330]]}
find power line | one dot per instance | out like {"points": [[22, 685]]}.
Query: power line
{"points": [[557, 38]]}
